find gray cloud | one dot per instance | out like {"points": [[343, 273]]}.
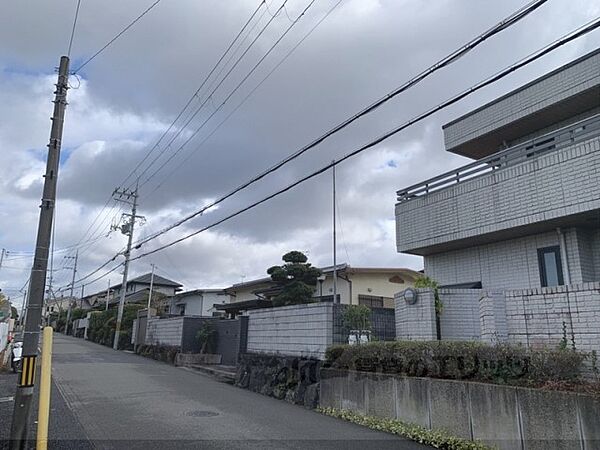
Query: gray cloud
{"points": [[131, 93]]}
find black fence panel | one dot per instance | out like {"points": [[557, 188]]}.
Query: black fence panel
{"points": [[383, 324]]}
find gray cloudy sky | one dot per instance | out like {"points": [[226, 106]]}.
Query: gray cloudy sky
{"points": [[130, 94]]}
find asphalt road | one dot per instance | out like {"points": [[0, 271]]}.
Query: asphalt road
{"points": [[64, 430], [122, 400]]}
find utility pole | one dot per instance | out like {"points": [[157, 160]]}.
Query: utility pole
{"points": [[151, 286], [81, 298], [31, 334], [107, 294], [2, 255], [335, 300], [72, 287], [129, 197]]}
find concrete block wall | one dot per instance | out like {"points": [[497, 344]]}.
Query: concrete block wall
{"points": [[460, 318], [538, 317], [524, 102], [507, 418], [492, 317], [164, 331], [417, 321], [556, 184], [298, 330]]}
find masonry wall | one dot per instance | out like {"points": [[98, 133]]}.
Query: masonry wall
{"points": [[416, 322], [556, 184], [460, 320], [540, 317], [299, 330], [526, 101], [164, 331], [543, 316]]}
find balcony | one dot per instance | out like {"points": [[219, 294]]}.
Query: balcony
{"points": [[535, 186]]}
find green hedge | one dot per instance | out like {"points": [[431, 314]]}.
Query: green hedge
{"points": [[502, 363], [102, 326]]}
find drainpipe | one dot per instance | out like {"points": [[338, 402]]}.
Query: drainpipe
{"points": [[349, 281], [563, 255]]}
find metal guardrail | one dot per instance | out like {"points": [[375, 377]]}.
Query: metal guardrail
{"points": [[554, 140]]}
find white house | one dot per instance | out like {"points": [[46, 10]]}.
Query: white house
{"points": [[199, 302], [371, 286]]}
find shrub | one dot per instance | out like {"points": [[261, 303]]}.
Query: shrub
{"points": [[435, 438], [501, 363], [103, 323], [207, 337], [165, 353]]}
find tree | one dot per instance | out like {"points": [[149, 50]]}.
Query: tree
{"points": [[14, 313], [357, 320], [4, 307], [297, 278]]}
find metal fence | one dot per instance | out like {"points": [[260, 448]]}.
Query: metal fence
{"points": [[383, 324], [514, 155]]}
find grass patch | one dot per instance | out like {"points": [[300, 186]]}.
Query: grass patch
{"points": [[435, 438]]}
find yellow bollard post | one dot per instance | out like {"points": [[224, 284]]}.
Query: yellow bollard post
{"points": [[45, 377]]}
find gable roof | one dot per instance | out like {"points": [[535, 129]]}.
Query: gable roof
{"points": [[145, 279]]}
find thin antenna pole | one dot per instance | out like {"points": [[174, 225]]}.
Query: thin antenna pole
{"points": [[107, 294], [151, 286], [335, 299]]}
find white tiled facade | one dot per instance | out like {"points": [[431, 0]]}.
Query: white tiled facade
{"points": [[489, 229], [532, 98], [551, 186]]}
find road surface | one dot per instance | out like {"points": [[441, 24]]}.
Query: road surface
{"points": [[122, 400]]}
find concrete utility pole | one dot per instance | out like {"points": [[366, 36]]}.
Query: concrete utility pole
{"points": [[129, 197], [72, 287], [31, 334], [81, 298], [4, 253], [335, 300], [151, 286], [107, 294]]}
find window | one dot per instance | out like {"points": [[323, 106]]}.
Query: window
{"points": [[550, 266], [371, 301]]}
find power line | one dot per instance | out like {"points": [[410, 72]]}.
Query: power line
{"points": [[445, 61], [73, 29], [194, 95], [451, 58], [196, 92], [245, 99], [193, 135], [524, 62], [123, 31]]}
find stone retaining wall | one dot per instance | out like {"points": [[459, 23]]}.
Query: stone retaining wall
{"points": [[509, 418], [289, 378]]}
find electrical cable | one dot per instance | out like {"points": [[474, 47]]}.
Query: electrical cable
{"points": [[166, 132], [245, 99], [196, 92], [109, 43], [206, 100], [522, 63], [451, 58], [73, 29]]}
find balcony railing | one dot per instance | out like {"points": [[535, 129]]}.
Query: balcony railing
{"points": [[554, 140]]}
